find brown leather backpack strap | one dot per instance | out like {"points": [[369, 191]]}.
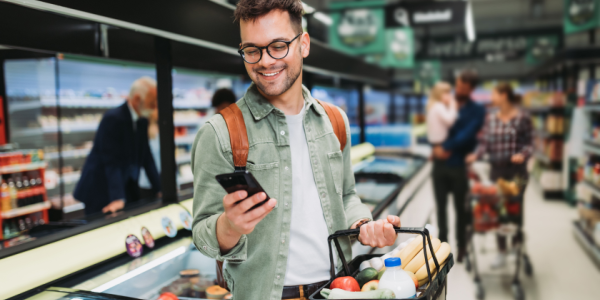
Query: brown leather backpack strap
{"points": [[220, 278], [337, 121], [238, 135]]}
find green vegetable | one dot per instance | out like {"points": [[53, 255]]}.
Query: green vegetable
{"points": [[365, 276], [341, 294]]}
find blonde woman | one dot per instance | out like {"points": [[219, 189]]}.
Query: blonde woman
{"points": [[442, 111]]}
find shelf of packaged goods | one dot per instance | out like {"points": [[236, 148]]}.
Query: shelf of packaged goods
{"points": [[22, 167], [185, 140], [26, 210], [74, 153], [88, 102], [65, 128], [190, 104], [586, 241], [545, 109]]}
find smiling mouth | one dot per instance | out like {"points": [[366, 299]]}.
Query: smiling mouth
{"points": [[270, 74]]}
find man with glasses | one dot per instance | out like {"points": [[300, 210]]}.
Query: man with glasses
{"points": [[278, 250]]}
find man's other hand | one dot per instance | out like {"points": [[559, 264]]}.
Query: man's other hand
{"points": [[379, 233], [114, 206], [440, 153]]}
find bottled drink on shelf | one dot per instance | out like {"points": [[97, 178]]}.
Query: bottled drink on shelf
{"points": [[12, 191], [5, 197]]}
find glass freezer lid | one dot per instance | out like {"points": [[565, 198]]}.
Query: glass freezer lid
{"points": [[401, 166]]}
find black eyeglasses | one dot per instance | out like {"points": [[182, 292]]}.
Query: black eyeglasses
{"points": [[276, 49]]}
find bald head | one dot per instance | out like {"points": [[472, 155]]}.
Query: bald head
{"points": [[142, 96]]}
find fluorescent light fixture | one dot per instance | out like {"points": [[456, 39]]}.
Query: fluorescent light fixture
{"points": [[469, 24], [140, 270], [307, 8], [324, 18]]}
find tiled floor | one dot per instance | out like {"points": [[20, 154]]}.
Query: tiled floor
{"points": [[562, 270]]}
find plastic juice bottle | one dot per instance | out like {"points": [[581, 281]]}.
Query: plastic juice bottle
{"points": [[397, 280], [5, 197], [12, 191]]}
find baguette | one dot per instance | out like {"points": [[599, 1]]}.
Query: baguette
{"points": [[441, 254], [433, 275], [419, 260]]}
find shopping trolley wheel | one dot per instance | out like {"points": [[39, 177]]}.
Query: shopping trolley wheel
{"points": [[479, 291], [518, 291], [527, 266]]}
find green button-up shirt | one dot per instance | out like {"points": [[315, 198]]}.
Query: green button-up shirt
{"points": [[256, 266]]}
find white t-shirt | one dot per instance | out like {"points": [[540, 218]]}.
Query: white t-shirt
{"points": [[439, 120], [308, 257]]}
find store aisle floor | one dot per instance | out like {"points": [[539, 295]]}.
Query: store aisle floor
{"points": [[562, 269]]}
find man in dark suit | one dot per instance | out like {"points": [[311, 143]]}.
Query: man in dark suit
{"points": [[110, 175]]}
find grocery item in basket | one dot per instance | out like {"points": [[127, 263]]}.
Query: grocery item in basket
{"points": [[365, 276], [419, 260], [380, 274], [433, 274], [216, 292], [414, 278], [370, 286], [363, 265], [441, 255], [409, 252], [341, 294], [376, 263], [347, 283], [397, 280]]}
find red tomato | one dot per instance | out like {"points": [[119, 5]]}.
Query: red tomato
{"points": [[347, 283], [167, 296]]}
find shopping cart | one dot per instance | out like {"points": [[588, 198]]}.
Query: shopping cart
{"points": [[435, 289], [497, 209]]}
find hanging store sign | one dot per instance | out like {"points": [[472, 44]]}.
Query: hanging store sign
{"points": [[358, 30], [414, 14], [428, 73], [581, 15], [400, 49], [503, 47]]}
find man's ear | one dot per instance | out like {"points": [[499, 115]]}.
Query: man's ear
{"points": [[305, 44]]}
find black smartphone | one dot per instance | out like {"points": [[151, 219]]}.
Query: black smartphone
{"points": [[233, 182]]}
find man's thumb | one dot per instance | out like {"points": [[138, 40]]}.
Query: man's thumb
{"points": [[394, 220]]}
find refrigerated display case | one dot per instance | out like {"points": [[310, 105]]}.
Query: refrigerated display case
{"points": [[56, 104]]}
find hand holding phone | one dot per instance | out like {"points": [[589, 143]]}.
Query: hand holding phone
{"points": [[246, 203]]}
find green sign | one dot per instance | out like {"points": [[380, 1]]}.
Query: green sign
{"points": [[541, 48], [400, 48], [428, 72], [358, 30], [581, 15]]}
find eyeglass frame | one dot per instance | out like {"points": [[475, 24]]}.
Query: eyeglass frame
{"points": [[241, 51]]}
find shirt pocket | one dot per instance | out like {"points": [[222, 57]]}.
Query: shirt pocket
{"points": [[336, 166], [267, 176]]}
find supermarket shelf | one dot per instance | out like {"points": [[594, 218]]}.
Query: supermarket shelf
{"points": [[545, 109], [21, 211], [543, 158], [184, 159], [592, 146], [545, 135], [66, 103], [66, 129], [188, 122], [587, 242], [22, 167], [75, 153], [592, 187], [68, 178], [185, 140], [189, 104]]}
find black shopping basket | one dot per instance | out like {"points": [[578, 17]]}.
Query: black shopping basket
{"points": [[435, 289]]}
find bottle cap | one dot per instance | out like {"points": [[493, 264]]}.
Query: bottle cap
{"points": [[393, 262]]}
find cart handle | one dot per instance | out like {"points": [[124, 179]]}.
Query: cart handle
{"points": [[351, 232]]}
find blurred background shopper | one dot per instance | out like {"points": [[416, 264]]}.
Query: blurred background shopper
{"points": [[441, 113], [449, 169], [506, 139], [111, 172], [222, 98], [146, 190]]}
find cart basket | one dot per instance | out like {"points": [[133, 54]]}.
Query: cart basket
{"points": [[435, 289]]}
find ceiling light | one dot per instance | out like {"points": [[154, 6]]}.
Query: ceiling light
{"points": [[307, 8], [324, 18]]}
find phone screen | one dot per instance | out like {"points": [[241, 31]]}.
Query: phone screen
{"points": [[241, 181]]}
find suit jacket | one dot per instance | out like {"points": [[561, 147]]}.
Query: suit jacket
{"points": [[112, 169]]}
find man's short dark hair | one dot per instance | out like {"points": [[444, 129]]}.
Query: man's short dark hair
{"points": [[469, 77], [223, 96], [250, 10]]}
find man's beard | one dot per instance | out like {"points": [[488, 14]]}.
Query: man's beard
{"points": [[463, 98], [270, 89]]}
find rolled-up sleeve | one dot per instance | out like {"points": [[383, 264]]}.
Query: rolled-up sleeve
{"points": [[210, 158], [354, 208]]}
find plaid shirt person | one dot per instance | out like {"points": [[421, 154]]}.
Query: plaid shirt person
{"points": [[502, 140]]}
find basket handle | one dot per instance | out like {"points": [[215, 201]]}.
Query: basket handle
{"points": [[352, 232]]}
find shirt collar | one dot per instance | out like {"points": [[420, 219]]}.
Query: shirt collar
{"points": [[261, 107], [134, 115]]}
